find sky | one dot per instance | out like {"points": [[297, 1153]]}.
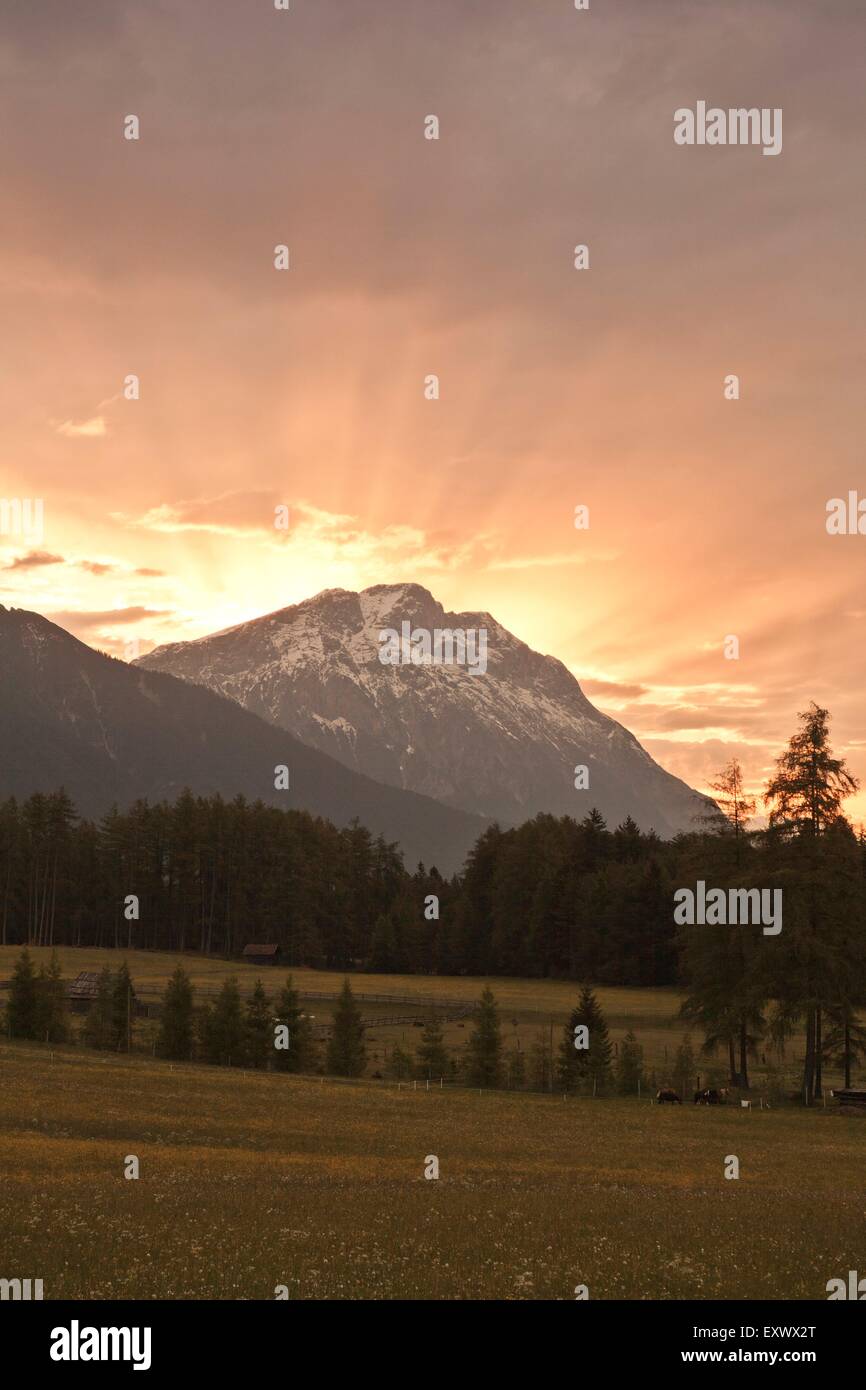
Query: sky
{"points": [[305, 388]]}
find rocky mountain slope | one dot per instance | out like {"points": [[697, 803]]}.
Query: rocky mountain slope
{"points": [[109, 732], [501, 743]]}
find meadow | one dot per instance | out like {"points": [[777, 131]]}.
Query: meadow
{"points": [[533, 1012], [249, 1181]]}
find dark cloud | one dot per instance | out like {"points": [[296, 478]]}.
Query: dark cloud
{"points": [[35, 559]]}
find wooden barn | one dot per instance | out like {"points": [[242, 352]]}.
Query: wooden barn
{"points": [[82, 991], [262, 955]]}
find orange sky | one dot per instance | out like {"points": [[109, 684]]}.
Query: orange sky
{"points": [[410, 257]]}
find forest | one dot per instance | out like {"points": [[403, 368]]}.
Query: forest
{"points": [[554, 897]]}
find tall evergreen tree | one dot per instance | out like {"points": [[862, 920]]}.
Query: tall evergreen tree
{"points": [[175, 1028], [812, 967], [22, 1005], [432, 1052], [224, 1029], [845, 1040], [258, 1029], [346, 1055], [298, 1056], [586, 1068], [485, 1044], [629, 1066], [51, 1011], [810, 783]]}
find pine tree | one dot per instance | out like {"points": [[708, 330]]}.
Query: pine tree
{"points": [[818, 965], [298, 1056], [383, 946], [810, 784], [175, 1028], [51, 1011], [399, 1064], [432, 1053], [629, 1066], [22, 1006], [845, 1042], [223, 1027], [586, 1068], [258, 1029], [122, 1009], [98, 1024], [346, 1054], [485, 1045]]}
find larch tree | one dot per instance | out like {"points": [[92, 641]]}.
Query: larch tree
{"points": [[346, 1054], [819, 960], [175, 1028], [484, 1066]]}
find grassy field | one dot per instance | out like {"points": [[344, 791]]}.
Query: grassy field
{"points": [[249, 1181], [530, 1009], [538, 996]]}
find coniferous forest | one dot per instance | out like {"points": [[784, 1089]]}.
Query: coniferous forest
{"points": [[555, 897]]}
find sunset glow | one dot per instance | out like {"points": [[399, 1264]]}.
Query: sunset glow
{"points": [[408, 258]]}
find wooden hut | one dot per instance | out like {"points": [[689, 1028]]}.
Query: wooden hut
{"points": [[262, 955]]}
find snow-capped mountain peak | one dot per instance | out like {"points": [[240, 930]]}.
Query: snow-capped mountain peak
{"points": [[501, 736]]}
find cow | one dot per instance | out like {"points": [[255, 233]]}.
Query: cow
{"points": [[668, 1096], [711, 1096]]}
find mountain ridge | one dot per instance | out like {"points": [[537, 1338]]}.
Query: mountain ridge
{"points": [[503, 743], [110, 733]]}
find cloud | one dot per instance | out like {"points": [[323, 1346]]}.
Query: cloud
{"points": [[35, 559], [315, 533], [100, 567], [84, 429], [239, 514], [82, 621], [95, 567], [620, 690]]}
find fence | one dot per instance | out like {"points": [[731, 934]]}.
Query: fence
{"points": [[458, 1008]]}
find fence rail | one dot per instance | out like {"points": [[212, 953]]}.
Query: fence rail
{"points": [[459, 1007]]}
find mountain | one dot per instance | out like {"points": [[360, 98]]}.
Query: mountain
{"points": [[109, 732], [501, 743]]}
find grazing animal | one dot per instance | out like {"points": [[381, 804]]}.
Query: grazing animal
{"points": [[711, 1096], [669, 1096]]}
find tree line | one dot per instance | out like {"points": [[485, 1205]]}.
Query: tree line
{"points": [[556, 897], [267, 1033]]}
